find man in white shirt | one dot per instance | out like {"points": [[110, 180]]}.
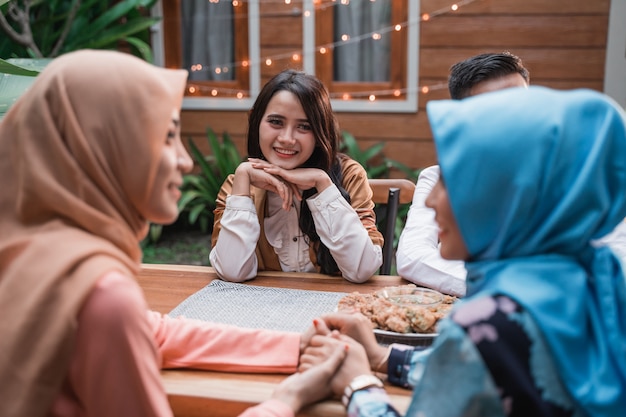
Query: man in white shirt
{"points": [[417, 257]]}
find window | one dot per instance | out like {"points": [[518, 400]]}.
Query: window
{"points": [[209, 38], [365, 52]]}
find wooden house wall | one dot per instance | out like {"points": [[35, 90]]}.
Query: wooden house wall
{"points": [[562, 43]]}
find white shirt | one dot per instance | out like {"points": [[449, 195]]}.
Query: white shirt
{"points": [[418, 258], [616, 240], [336, 223]]}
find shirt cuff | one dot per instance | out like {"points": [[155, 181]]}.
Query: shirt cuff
{"points": [[324, 198], [239, 202], [399, 365]]}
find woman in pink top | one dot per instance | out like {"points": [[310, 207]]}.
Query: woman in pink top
{"points": [[88, 156]]}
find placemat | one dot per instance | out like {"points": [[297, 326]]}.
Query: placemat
{"points": [[257, 307]]}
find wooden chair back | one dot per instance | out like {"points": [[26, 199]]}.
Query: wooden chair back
{"points": [[390, 193]]}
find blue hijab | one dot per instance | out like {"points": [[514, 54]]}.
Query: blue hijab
{"points": [[533, 175]]}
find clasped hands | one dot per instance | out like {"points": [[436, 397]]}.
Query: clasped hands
{"points": [[335, 350], [287, 183]]}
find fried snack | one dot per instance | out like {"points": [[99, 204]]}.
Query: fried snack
{"points": [[386, 315]]}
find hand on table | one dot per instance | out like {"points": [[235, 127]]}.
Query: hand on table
{"points": [[322, 347], [359, 328], [312, 385]]}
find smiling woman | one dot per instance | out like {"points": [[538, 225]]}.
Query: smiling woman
{"points": [[296, 204]]}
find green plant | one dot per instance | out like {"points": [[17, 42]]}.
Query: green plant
{"points": [[48, 28], [350, 147], [200, 190]]}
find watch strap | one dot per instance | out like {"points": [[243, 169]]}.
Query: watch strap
{"points": [[361, 382]]}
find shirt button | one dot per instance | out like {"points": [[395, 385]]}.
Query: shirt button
{"points": [[295, 239]]}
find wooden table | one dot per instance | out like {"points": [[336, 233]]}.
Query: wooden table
{"points": [[205, 393]]}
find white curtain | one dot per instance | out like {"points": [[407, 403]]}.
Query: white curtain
{"points": [[208, 39], [368, 59]]}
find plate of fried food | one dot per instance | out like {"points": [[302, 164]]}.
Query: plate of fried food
{"points": [[405, 314]]}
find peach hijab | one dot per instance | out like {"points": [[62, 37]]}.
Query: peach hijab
{"points": [[78, 157]]}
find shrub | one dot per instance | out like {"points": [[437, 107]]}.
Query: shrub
{"points": [[199, 191], [53, 27]]}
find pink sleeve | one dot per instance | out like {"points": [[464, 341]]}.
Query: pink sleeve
{"points": [[187, 343], [269, 408]]}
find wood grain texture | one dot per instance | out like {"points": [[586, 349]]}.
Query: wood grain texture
{"points": [[166, 286], [552, 31], [380, 188], [538, 7], [202, 393]]}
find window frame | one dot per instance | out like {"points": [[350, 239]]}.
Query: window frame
{"points": [[405, 49], [250, 84]]}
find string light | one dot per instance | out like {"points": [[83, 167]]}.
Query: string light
{"points": [[371, 95], [295, 56]]}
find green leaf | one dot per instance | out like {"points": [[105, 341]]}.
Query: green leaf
{"points": [[195, 212], [372, 151], [111, 36], [411, 174], [350, 146], [143, 48], [231, 154], [3, 1], [217, 150], [204, 166], [155, 232], [376, 171], [186, 198], [9, 68], [204, 223], [111, 17]]}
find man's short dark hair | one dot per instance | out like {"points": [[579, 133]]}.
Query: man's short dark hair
{"points": [[466, 74]]}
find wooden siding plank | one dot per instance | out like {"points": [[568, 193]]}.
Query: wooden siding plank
{"points": [[545, 63], [281, 31], [522, 6], [273, 8], [415, 154], [516, 31]]}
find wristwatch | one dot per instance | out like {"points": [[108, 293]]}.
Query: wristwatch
{"points": [[360, 382]]}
